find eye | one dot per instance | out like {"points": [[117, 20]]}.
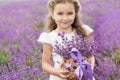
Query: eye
{"points": [[70, 13], [60, 13]]}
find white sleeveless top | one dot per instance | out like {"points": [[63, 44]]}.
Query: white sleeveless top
{"points": [[50, 38]]}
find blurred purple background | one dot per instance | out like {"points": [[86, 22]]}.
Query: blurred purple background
{"points": [[22, 21]]}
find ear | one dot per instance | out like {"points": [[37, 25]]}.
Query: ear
{"points": [[80, 7], [52, 15]]}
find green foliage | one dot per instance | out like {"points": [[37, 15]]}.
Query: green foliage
{"points": [[38, 59], [116, 58], [16, 45], [115, 74], [3, 56], [29, 61], [39, 24]]}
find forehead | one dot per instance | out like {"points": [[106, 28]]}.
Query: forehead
{"points": [[64, 7]]}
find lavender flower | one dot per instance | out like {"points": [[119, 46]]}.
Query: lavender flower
{"points": [[22, 22], [86, 48]]}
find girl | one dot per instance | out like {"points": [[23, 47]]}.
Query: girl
{"points": [[63, 16]]}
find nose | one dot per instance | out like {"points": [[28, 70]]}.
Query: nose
{"points": [[65, 17]]}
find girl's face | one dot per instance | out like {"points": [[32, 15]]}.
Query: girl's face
{"points": [[64, 15]]}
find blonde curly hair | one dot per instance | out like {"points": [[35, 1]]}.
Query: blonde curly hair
{"points": [[77, 25]]}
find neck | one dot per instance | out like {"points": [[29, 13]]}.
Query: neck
{"points": [[66, 30]]}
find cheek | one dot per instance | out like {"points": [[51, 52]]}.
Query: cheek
{"points": [[72, 18], [57, 18]]}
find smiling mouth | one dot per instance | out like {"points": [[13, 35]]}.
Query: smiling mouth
{"points": [[65, 23]]}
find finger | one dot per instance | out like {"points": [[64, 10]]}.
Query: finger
{"points": [[63, 76], [64, 71]]}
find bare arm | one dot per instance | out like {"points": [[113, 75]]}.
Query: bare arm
{"points": [[92, 61], [47, 52], [89, 38]]}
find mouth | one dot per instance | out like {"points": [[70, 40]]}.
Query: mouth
{"points": [[65, 22]]}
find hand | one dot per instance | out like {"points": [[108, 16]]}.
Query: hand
{"points": [[63, 74]]}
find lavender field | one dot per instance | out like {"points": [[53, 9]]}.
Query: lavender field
{"points": [[21, 23]]}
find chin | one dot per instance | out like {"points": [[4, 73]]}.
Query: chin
{"points": [[65, 27]]}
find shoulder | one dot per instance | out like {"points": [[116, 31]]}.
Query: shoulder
{"points": [[46, 34], [46, 37], [43, 37], [87, 29], [43, 34]]}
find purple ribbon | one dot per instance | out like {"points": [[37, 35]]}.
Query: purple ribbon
{"points": [[84, 68]]}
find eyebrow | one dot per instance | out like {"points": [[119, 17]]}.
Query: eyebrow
{"points": [[67, 11]]}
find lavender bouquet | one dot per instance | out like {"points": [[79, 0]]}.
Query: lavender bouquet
{"points": [[75, 53]]}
